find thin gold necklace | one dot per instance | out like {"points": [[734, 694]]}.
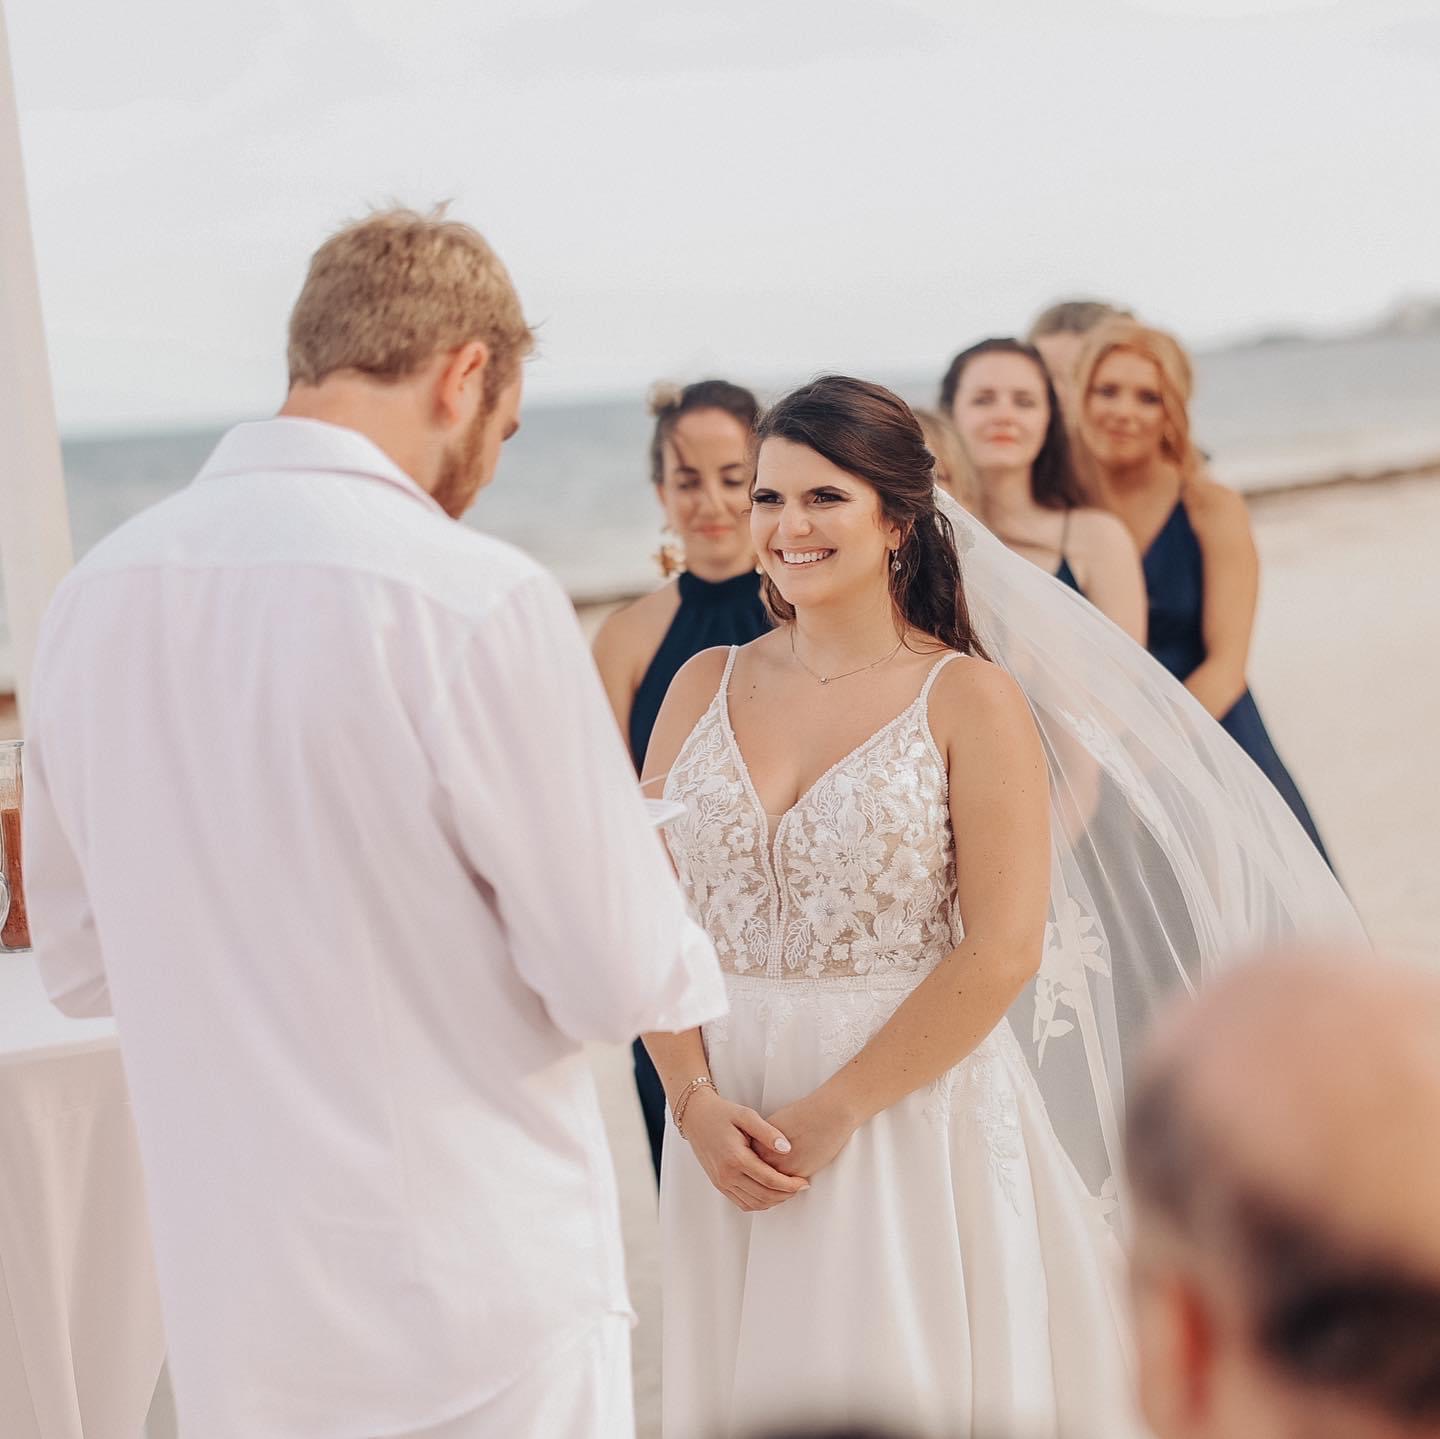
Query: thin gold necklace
{"points": [[826, 679]]}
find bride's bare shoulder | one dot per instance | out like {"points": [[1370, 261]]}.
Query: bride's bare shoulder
{"points": [[691, 693], [699, 677], [971, 679], [977, 709]]}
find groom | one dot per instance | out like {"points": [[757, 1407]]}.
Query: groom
{"points": [[324, 803]]}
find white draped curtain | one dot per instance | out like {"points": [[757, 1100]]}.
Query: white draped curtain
{"points": [[35, 548]]}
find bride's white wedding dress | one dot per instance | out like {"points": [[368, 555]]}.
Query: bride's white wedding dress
{"points": [[949, 1270]]}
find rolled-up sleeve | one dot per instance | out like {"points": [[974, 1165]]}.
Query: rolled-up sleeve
{"points": [[546, 809]]}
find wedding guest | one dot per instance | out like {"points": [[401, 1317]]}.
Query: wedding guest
{"points": [[952, 468], [700, 468], [1202, 573], [1058, 333], [1005, 409], [1286, 1256], [323, 801]]}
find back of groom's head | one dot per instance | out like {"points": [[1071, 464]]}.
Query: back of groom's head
{"points": [[387, 293], [1283, 1154]]}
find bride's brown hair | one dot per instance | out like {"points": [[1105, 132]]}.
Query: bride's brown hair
{"points": [[872, 434]]}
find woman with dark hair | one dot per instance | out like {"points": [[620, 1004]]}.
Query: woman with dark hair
{"points": [[853, 783], [700, 467], [1003, 401]]}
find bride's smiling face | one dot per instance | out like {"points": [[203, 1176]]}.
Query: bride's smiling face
{"points": [[818, 530]]}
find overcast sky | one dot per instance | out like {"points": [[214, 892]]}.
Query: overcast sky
{"points": [[760, 188]]}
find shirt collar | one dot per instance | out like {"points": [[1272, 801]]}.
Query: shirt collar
{"points": [[289, 442]]}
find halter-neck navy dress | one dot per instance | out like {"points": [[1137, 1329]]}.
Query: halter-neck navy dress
{"points": [[729, 612], [1174, 579]]}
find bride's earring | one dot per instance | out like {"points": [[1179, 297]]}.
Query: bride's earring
{"points": [[895, 562], [670, 558]]}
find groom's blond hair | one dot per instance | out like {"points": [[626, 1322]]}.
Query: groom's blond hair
{"points": [[385, 294]]}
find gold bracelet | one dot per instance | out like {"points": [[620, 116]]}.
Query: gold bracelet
{"points": [[683, 1103]]}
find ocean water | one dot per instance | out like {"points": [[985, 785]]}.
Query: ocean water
{"points": [[572, 487]]}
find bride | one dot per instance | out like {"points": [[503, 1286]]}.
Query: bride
{"points": [[881, 1207]]}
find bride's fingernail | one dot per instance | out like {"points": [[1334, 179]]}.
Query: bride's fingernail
{"points": [[782, 1145]]}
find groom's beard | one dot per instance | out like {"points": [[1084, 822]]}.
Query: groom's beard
{"points": [[460, 478]]}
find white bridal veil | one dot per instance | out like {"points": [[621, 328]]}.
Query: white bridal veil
{"points": [[1172, 856]]}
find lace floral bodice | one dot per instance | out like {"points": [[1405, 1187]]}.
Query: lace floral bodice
{"points": [[858, 878]]}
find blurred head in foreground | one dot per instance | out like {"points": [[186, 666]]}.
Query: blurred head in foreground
{"points": [[408, 330], [1059, 331], [701, 464], [1283, 1144], [952, 468]]}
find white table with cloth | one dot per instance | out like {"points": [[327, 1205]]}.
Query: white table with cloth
{"points": [[81, 1343]]}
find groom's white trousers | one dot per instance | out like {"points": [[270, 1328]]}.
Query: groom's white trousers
{"points": [[583, 1392]]}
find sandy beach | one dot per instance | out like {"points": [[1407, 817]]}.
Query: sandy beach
{"points": [[1350, 605]]}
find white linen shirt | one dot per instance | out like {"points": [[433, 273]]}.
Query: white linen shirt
{"points": [[322, 792]]}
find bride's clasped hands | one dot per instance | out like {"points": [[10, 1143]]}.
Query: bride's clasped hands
{"points": [[728, 1139], [817, 1127]]}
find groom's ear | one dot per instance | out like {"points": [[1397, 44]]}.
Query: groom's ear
{"points": [[460, 383]]}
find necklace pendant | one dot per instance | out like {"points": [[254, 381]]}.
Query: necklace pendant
{"points": [[824, 679]]}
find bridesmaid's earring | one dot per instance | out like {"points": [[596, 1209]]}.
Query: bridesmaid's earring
{"points": [[895, 562], [669, 558]]}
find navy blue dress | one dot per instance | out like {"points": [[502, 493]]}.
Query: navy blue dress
{"points": [[729, 612], [1065, 574], [1174, 578]]}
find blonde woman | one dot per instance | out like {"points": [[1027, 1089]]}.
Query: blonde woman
{"points": [[952, 468], [1058, 332], [1198, 555]]}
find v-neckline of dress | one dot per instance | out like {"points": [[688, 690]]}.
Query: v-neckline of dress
{"points": [[1161, 532], [722, 699]]}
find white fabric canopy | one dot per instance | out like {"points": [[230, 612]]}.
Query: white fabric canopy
{"points": [[80, 1336], [34, 523]]}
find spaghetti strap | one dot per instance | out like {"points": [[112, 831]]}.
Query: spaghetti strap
{"points": [[725, 678], [935, 669]]}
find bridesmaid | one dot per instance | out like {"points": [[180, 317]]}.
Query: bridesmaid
{"points": [[1201, 569], [701, 467], [1004, 405], [1059, 332]]}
